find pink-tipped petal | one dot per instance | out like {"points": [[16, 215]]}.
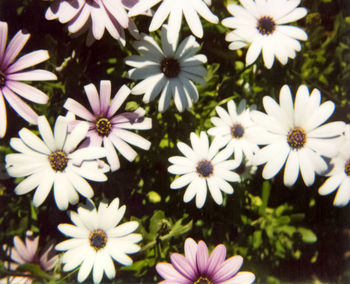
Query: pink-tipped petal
{"points": [[28, 92], [3, 39], [92, 94], [14, 47], [20, 106], [118, 100], [78, 109], [191, 251], [105, 96], [3, 116], [27, 60], [33, 75]]}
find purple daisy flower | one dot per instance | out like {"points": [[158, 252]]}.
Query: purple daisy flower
{"points": [[107, 128], [197, 267], [11, 73], [94, 16]]}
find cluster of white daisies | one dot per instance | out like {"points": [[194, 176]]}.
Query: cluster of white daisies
{"points": [[293, 134]]}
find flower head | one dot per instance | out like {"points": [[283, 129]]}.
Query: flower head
{"points": [[203, 166], [198, 267], [96, 238], [235, 129], [28, 252], [295, 136], [339, 176], [56, 158], [175, 9], [261, 24], [94, 16], [108, 128], [11, 75], [168, 71]]}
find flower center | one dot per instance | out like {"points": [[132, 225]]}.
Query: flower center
{"points": [[347, 167], [2, 79], [58, 161], [103, 126], [296, 138], [204, 168], [237, 130], [170, 67], [266, 25], [203, 280], [98, 239]]}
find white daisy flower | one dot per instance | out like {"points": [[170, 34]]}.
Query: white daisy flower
{"points": [[261, 24], [96, 239], [235, 129], [57, 159], [203, 166], [339, 176], [295, 136], [174, 9], [168, 71]]}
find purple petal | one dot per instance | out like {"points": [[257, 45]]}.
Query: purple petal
{"points": [[3, 38], [78, 109], [33, 75], [28, 60], [168, 272], [105, 96], [20, 106], [118, 100], [182, 265], [241, 278], [14, 47], [32, 246], [202, 257], [228, 269], [216, 258], [28, 92], [48, 260], [92, 94], [118, 11], [191, 251], [3, 116], [21, 249]]}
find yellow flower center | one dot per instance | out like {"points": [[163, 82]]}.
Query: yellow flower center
{"points": [[103, 126], [98, 239], [266, 25], [296, 138], [58, 161]]}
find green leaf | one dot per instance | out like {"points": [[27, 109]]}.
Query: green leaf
{"points": [[307, 235]]}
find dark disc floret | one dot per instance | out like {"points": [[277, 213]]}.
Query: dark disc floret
{"points": [[98, 239], [347, 167], [204, 168], [2, 79], [266, 25], [58, 161], [296, 138], [170, 67], [237, 130], [203, 280], [103, 126]]}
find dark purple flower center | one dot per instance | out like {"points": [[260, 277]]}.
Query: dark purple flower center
{"points": [[170, 67], [203, 280], [98, 239], [237, 130], [58, 161], [347, 167], [2, 79], [204, 168], [266, 25], [103, 126], [296, 138]]}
